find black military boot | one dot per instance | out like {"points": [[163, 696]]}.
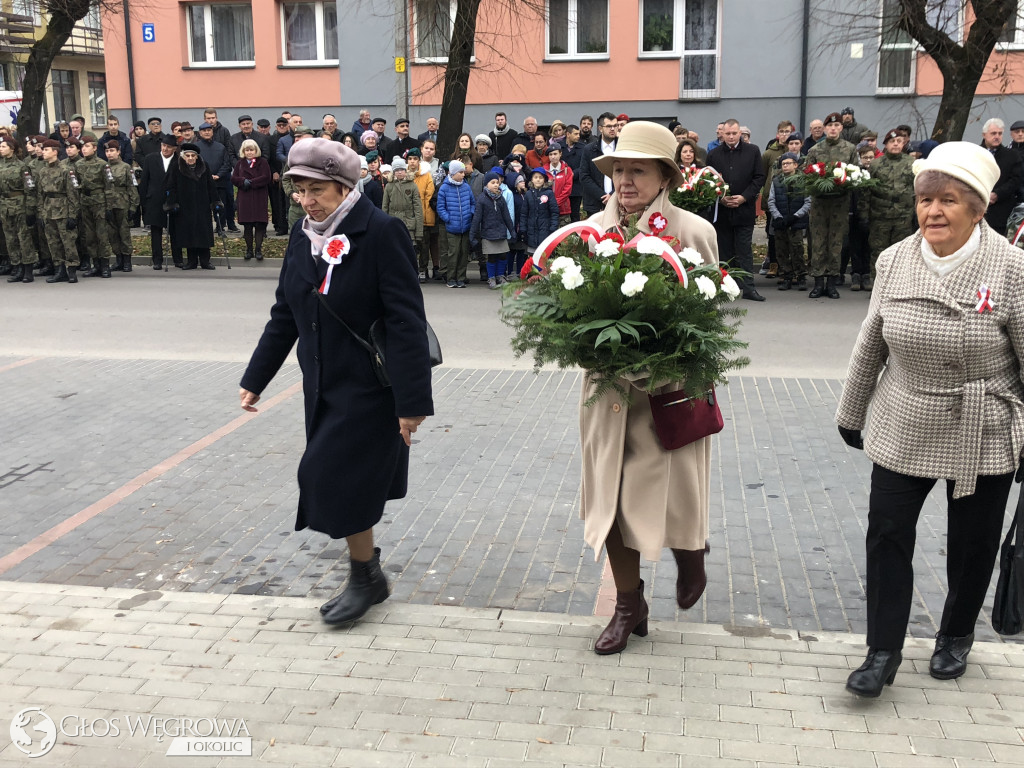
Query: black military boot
{"points": [[818, 289], [126, 263], [830, 288], [17, 274], [786, 283], [46, 268], [90, 271], [104, 267], [72, 274], [5, 267], [366, 587], [118, 263], [59, 276], [27, 277], [84, 265]]}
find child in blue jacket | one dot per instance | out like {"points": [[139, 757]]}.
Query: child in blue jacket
{"points": [[455, 206], [539, 217]]}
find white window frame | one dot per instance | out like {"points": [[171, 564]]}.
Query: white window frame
{"points": [[571, 40], [1017, 44], [321, 39], [673, 52], [699, 94], [208, 22], [28, 8], [910, 46], [414, 31]]}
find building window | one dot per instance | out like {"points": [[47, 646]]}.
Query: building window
{"points": [[27, 8], [310, 32], [1013, 32], [65, 103], [896, 54], [433, 22], [700, 72], [98, 98], [577, 29], [220, 34]]}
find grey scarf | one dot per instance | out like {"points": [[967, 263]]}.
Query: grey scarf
{"points": [[319, 231]]}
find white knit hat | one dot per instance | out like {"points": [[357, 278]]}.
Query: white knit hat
{"points": [[970, 163]]}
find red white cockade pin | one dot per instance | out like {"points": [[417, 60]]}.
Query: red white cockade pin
{"points": [[984, 295], [335, 249], [657, 223]]}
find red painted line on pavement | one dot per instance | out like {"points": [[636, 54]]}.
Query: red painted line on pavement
{"points": [[605, 603], [19, 363], [140, 481]]}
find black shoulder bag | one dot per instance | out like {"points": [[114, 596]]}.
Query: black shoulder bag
{"points": [[378, 343], [1008, 607]]}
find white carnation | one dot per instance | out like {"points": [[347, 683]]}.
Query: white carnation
{"points": [[607, 248], [865, 175], [633, 283], [692, 256], [561, 263], [706, 286], [572, 278], [730, 287], [838, 172], [651, 244]]}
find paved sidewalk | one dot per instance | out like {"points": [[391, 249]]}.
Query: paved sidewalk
{"points": [[462, 687]]}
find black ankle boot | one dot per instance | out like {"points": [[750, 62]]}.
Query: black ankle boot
{"points": [[830, 287], [17, 274], [367, 587], [877, 671], [126, 264], [819, 288], [72, 274], [949, 661], [103, 268], [6, 268], [27, 277], [60, 276]]}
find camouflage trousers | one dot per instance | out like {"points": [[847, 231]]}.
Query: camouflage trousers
{"points": [[61, 242], [119, 232], [885, 232], [829, 223], [94, 232], [789, 251], [18, 234]]}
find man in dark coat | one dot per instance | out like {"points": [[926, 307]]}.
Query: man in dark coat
{"points": [[572, 156], [278, 199], [150, 143], [402, 142], [503, 138], [218, 161], [114, 132], [431, 133], [739, 163], [597, 187], [220, 131], [1011, 175], [246, 131], [191, 197], [529, 131], [155, 168]]}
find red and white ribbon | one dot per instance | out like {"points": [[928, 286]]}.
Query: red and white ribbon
{"points": [[335, 249], [984, 295], [548, 244]]}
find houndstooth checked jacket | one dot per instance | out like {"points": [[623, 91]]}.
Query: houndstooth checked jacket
{"points": [[950, 401]]}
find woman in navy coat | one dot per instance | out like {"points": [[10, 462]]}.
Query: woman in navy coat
{"points": [[358, 432]]}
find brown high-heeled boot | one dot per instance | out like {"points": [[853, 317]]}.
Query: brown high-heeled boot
{"points": [[630, 618], [691, 578]]}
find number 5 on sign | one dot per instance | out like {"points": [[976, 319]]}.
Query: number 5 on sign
{"points": [[399, 64], [149, 33]]}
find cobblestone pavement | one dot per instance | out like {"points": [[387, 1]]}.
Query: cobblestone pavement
{"points": [[455, 687], [491, 519]]}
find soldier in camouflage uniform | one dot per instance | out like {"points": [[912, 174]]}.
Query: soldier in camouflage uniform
{"points": [[95, 187], [73, 155], [830, 215], [122, 200], [17, 212], [295, 211], [58, 207], [34, 162], [891, 208]]}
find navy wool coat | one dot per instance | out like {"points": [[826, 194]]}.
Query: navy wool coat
{"points": [[355, 459]]}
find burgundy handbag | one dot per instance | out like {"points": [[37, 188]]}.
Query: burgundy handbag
{"points": [[680, 419]]}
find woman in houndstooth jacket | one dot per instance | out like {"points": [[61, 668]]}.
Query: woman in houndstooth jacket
{"points": [[945, 329]]}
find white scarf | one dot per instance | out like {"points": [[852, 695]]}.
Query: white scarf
{"points": [[944, 265], [319, 231]]}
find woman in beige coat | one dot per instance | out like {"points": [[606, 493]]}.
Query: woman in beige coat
{"points": [[638, 498], [945, 329]]}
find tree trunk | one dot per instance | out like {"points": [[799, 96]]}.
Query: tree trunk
{"points": [[63, 17], [960, 81], [456, 77]]}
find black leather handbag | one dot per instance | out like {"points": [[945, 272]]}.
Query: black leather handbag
{"points": [[1008, 607], [378, 343]]}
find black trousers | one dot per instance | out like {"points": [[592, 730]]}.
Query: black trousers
{"points": [[278, 207], [156, 244], [974, 528], [734, 248]]}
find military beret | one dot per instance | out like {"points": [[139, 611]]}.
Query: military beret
{"points": [[73, 143], [414, 152], [833, 117], [113, 144], [50, 144], [372, 156], [893, 134]]}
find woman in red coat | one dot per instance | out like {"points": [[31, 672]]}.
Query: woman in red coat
{"points": [[252, 177]]}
